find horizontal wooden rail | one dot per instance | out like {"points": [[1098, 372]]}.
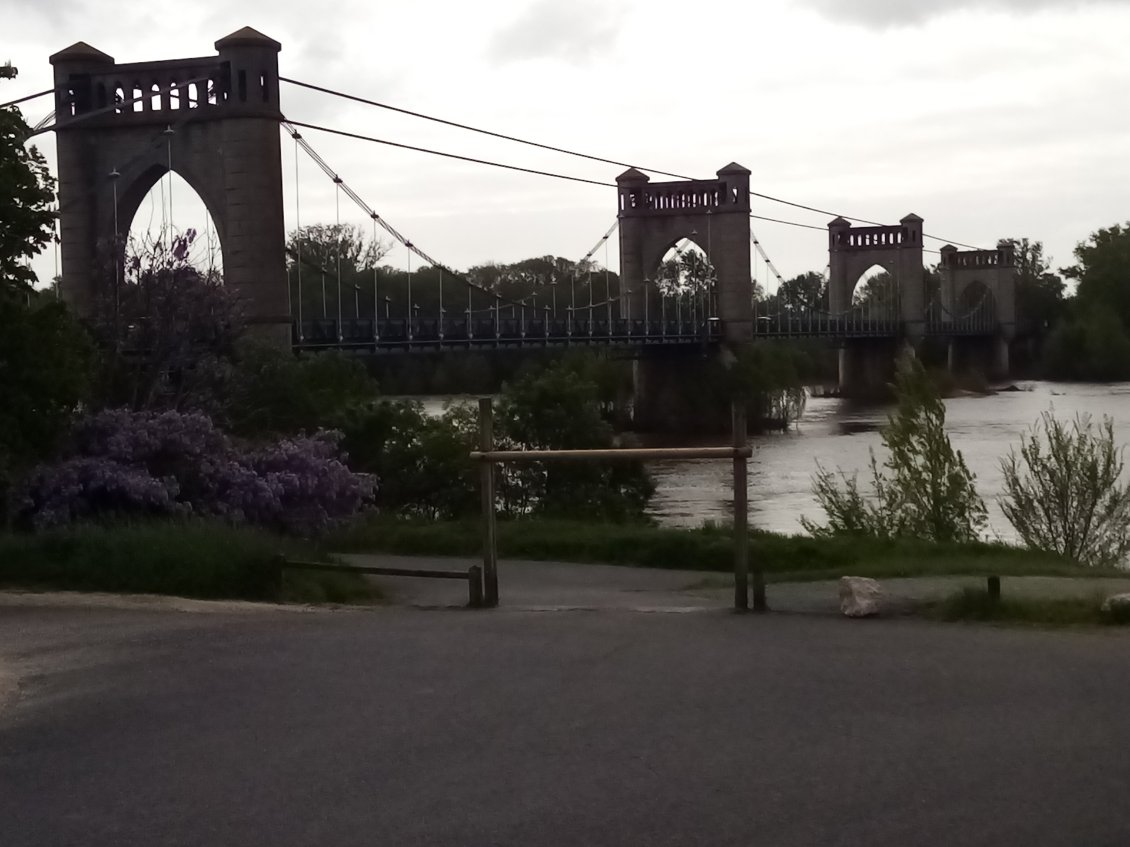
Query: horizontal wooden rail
{"points": [[626, 453], [473, 575]]}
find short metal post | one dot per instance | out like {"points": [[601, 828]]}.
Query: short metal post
{"points": [[475, 586], [741, 512], [486, 484]]}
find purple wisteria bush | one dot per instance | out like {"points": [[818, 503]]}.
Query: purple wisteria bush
{"points": [[141, 464]]}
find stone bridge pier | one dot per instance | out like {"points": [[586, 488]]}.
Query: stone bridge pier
{"points": [[671, 391]]}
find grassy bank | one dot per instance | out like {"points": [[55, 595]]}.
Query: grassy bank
{"points": [[189, 559], [783, 557], [972, 604]]}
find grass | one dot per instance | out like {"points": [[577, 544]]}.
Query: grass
{"points": [[187, 559], [783, 557], [973, 604]]}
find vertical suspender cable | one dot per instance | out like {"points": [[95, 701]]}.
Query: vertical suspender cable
{"points": [[297, 235], [340, 239], [376, 316]]}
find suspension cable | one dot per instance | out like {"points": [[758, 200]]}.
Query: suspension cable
{"points": [[590, 157], [368, 210], [24, 99]]}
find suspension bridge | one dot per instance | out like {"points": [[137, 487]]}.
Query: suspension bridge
{"points": [[218, 122]]}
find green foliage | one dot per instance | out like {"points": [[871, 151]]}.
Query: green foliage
{"points": [[924, 489], [709, 549], [1040, 303], [27, 192], [975, 604], [1103, 271], [559, 408], [45, 366], [272, 391], [1064, 492], [1093, 346], [423, 464], [191, 559]]}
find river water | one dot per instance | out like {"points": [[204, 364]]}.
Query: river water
{"points": [[839, 434]]}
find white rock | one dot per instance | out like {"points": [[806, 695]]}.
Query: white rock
{"points": [[1116, 602], [860, 597]]}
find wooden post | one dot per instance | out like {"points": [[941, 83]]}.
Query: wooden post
{"points": [[741, 510], [486, 484], [475, 586], [994, 589]]}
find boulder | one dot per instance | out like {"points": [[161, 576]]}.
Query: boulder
{"points": [[860, 597], [1118, 603]]}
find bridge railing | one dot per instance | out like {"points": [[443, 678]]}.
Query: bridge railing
{"points": [[494, 331]]}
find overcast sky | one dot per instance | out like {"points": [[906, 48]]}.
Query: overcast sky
{"points": [[989, 118]]}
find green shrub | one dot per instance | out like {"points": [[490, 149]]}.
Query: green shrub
{"points": [[192, 559], [1064, 492]]}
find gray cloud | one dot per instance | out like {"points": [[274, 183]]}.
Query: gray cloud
{"points": [[896, 13], [571, 31]]}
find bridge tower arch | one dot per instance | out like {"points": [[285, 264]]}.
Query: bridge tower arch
{"points": [[216, 119], [995, 272], [896, 249], [714, 214]]}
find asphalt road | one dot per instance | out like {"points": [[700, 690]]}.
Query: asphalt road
{"points": [[230, 726]]}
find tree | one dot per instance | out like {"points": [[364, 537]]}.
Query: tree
{"points": [[1102, 269], [804, 293], [45, 365], [924, 489], [271, 391], [164, 327], [1039, 292], [144, 464], [1065, 492], [27, 192]]}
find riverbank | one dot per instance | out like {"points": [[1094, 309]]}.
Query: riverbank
{"points": [[784, 558]]}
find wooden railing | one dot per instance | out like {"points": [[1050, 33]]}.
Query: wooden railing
{"points": [[739, 453]]}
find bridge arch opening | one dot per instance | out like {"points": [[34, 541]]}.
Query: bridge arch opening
{"points": [[975, 307], [875, 290], [162, 213]]}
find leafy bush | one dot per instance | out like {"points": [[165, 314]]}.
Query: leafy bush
{"points": [[924, 489], [142, 464], [184, 558], [426, 470], [1064, 492]]}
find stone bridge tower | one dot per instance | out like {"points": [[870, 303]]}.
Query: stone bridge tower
{"points": [[867, 364], [714, 214], [216, 119], [654, 217], [979, 281], [896, 249]]}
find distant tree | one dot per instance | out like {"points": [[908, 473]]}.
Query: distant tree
{"points": [[804, 293], [27, 192], [1102, 268], [1040, 300], [878, 291], [163, 326]]}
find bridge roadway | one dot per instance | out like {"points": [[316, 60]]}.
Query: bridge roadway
{"points": [[430, 334]]}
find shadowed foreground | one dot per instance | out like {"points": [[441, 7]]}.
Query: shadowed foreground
{"points": [[230, 726]]}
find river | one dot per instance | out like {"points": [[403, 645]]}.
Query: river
{"points": [[839, 434]]}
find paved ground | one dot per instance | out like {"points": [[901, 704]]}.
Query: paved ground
{"points": [[193, 724]]}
